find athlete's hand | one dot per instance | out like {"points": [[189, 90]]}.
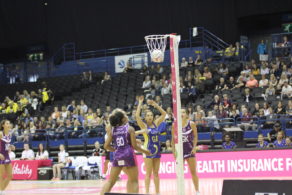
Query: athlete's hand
{"points": [[151, 103], [141, 99], [194, 150], [148, 153], [2, 157]]}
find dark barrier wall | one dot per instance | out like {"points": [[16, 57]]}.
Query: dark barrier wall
{"points": [[106, 24]]}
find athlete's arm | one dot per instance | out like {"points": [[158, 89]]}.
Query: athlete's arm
{"points": [[162, 112], [138, 113], [109, 139], [195, 132], [140, 131], [134, 142]]}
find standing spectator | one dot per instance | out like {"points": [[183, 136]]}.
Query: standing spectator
{"points": [[62, 160], [261, 50], [168, 147], [228, 144], [41, 154], [252, 82], [261, 142], [27, 154], [56, 113], [280, 142], [229, 51]]}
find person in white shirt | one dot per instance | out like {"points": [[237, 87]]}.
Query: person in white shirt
{"points": [[147, 82], [42, 154], [264, 69], [165, 89], [286, 90], [184, 63], [264, 82], [27, 154], [84, 107], [11, 153], [62, 160]]}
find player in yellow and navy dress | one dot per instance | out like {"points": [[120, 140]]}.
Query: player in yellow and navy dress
{"points": [[151, 134]]}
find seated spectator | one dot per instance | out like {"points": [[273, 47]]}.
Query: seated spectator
{"points": [[199, 60], [42, 154], [231, 83], [12, 107], [288, 141], [223, 70], [199, 110], [275, 70], [166, 89], [228, 144], [27, 154], [240, 84], [229, 51], [207, 74], [200, 122], [56, 114], [71, 106], [273, 81], [98, 151], [146, 83], [263, 82], [256, 110], [272, 134], [159, 69], [62, 160], [282, 80], [168, 147], [83, 106], [252, 82], [216, 101], [128, 68], [255, 70], [246, 70], [183, 63], [11, 153], [246, 121], [280, 141], [261, 142], [286, 91], [280, 108], [289, 108], [221, 112], [191, 62], [226, 102], [212, 121], [247, 97], [221, 85], [264, 69], [106, 77], [270, 91]]}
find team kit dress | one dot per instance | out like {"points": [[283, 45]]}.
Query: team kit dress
{"points": [[151, 141], [4, 145], [188, 138], [124, 155]]}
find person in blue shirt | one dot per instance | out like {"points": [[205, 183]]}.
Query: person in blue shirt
{"points": [[262, 48], [280, 141], [228, 144], [261, 142]]}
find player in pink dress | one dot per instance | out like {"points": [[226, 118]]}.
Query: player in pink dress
{"points": [[124, 143], [5, 162]]}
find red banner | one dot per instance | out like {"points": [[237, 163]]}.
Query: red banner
{"points": [[28, 169]]}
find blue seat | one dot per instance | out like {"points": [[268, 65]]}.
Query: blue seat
{"points": [[74, 142], [35, 144], [250, 134], [53, 143], [204, 136], [218, 136], [92, 140], [288, 132]]}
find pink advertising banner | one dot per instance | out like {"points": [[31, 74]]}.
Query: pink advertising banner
{"points": [[259, 163]]}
